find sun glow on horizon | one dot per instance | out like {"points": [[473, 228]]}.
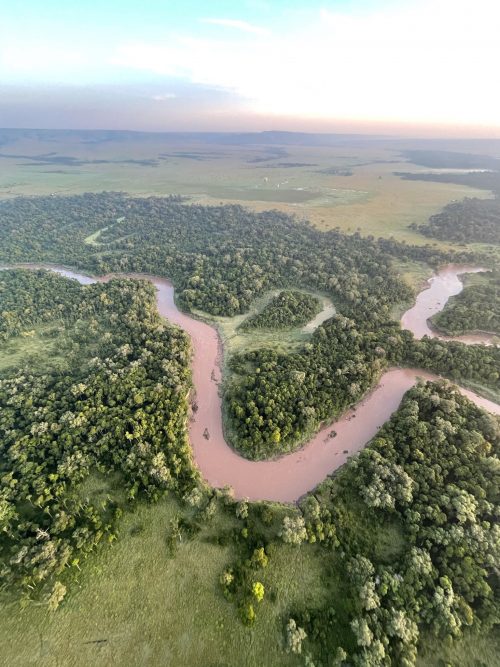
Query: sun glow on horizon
{"points": [[427, 62]]}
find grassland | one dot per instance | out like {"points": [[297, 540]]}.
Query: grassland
{"points": [[235, 340], [40, 347], [294, 179], [472, 651], [134, 605]]}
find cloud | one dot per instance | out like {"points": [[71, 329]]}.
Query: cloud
{"points": [[161, 97], [236, 24], [427, 61], [422, 61]]}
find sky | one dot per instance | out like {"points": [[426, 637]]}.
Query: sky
{"points": [[397, 66]]}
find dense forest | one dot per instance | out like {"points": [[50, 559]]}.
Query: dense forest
{"points": [[286, 310], [429, 482], [468, 221], [118, 406], [29, 298], [476, 308], [275, 400], [220, 258]]}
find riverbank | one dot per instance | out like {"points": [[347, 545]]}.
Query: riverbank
{"points": [[289, 477], [431, 300]]}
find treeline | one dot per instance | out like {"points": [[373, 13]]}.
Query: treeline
{"points": [[276, 400], [439, 159], [29, 298], [286, 310], [476, 308], [428, 254], [469, 221], [119, 406], [457, 361], [482, 180], [428, 481], [220, 258]]}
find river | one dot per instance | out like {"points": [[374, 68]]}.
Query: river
{"points": [[289, 477], [432, 300]]}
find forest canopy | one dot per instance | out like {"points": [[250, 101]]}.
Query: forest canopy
{"points": [[429, 481], [469, 221], [286, 310], [476, 308], [117, 406], [220, 259]]}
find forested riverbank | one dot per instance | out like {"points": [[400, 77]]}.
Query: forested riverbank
{"points": [[415, 537], [477, 308], [116, 404]]}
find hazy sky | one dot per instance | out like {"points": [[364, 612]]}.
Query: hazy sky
{"points": [[254, 64]]}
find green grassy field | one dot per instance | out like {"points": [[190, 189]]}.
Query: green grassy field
{"points": [[416, 275], [235, 340], [294, 179], [473, 651], [38, 347], [135, 605]]}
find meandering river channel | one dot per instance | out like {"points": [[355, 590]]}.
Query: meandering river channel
{"points": [[289, 477]]}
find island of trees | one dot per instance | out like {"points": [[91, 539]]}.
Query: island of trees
{"points": [[288, 309], [484, 171]]}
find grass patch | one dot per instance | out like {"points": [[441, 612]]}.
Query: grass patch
{"points": [[487, 392], [97, 488], [133, 604], [91, 239], [472, 651], [416, 274], [40, 347], [236, 340]]}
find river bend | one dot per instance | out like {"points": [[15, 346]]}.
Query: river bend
{"points": [[289, 477]]}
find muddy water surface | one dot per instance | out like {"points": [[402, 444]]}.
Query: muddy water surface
{"points": [[291, 476], [430, 301]]}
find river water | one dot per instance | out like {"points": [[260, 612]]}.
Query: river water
{"points": [[289, 477], [430, 301]]}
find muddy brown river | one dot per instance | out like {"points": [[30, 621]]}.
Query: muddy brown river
{"points": [[430, 301], [289, 477]]}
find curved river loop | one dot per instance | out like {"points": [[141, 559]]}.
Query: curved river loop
{"points": [[289, 477]]}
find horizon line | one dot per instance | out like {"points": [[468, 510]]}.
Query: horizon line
{"points": [[259, 132]]}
